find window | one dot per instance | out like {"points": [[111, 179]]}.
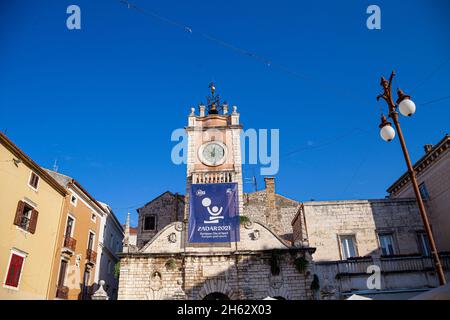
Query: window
{"points": [[62, 273], [348, 247], [387, 244], [91, 240], [14, 270], [93, 216], [73, 200], [111, 241], [34, 180], [85, 288], [26, 217], [424, 244], [423, 191], [150, 223], [69, 227]]}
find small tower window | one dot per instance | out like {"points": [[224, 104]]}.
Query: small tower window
{"points": [[150, 223]]}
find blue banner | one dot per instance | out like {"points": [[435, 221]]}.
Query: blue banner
{"points": [[213, 213]]}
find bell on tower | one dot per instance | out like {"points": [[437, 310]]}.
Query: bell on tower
{"points": [[213, 101]]}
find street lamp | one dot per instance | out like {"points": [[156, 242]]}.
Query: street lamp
{"points": [[407, 108]]}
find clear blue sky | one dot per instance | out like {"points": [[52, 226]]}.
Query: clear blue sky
{"points": [[104, 100]]}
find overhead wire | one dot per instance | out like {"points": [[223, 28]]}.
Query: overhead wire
{"points": [[269, 63]]}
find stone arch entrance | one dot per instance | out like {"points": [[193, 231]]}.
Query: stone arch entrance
{"points": [[215, 288], [216, 296], [280, 293]]}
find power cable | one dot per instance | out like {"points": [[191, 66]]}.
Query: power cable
{"points": [[434, 101], [430, 75]]}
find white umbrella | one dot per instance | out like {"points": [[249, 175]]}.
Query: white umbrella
{"points": [[357, 297]]}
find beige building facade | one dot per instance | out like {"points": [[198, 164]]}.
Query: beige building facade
{"points": [[31, 206], [76, 253], [433, 177]]}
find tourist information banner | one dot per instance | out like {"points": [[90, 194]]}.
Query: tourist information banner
{"points": [[213, 213]]}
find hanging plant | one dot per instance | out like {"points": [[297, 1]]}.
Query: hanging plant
{"points": [[244, 219], [171, 264], [275, 263], [301, 264], [117, 270], [315, 284]]}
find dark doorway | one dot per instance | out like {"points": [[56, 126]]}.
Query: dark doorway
{"points": [[216, 296]]}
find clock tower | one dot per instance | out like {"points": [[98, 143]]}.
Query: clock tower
{"points": [[214, 146]]}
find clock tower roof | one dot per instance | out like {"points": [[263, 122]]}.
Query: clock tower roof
{"points": [[214, 113]]}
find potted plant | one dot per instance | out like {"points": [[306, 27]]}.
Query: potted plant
{"points": [[171, 264]]}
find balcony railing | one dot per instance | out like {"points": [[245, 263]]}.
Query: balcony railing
{"points": [[70, 243], [403, 263], [213, 177], [62, 292], [354, 266], [91, 256]]}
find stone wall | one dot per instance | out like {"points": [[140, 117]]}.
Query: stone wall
{"points": [[167, 208], [192, 277], [326, 221], [278, 215], [168, 267]]}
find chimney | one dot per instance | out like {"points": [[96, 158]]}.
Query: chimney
{"points": [[427, 148], [270, 187], [273, 217]]}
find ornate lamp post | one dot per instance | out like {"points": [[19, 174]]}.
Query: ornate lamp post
{"points": [[407, 108]]}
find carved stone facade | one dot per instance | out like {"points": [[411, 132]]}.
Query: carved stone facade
{"points": [[254, 268]]}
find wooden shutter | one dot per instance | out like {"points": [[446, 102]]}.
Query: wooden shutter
{"points": [[33, 221], [19, 213], [15, 268]]}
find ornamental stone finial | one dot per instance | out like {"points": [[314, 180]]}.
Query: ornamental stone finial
{"points": [[100, 294]]}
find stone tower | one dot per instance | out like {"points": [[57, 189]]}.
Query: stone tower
{"points": [[214, 146]]}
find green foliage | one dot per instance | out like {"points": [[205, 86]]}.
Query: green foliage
{"points": [[171, 264], [301, 264], [315, 284], [117, 270], [244, 219], [275, 263]]}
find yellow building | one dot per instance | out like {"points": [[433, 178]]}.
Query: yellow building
{"points": [[77, 243], [31, 204]]}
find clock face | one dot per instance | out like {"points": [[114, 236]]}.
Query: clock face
{"points": [[212, 153]]}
